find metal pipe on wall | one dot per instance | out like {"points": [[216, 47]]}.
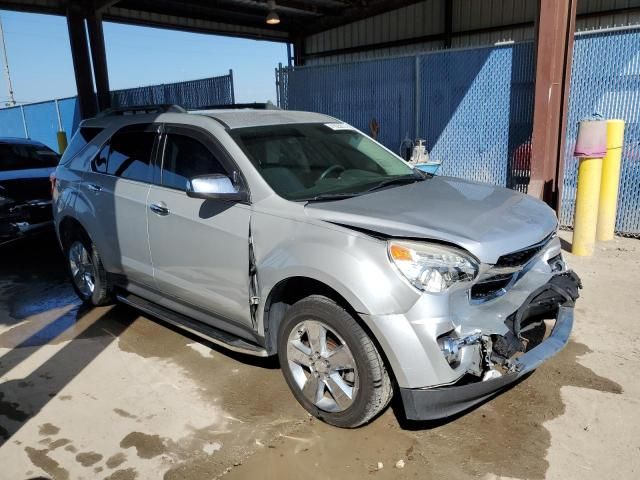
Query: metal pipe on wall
{"points": [[24, 122]]}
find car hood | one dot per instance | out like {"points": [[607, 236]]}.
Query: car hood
{"points": [[486, 220]]}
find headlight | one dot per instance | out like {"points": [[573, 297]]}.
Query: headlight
{"points": [[432, 268]]}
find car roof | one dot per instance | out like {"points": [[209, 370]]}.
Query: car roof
{"points": [[20, 141], [229, 118], [258, 118]]}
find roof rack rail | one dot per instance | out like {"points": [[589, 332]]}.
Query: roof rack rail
{"points": [[238, 106], [141, 110]]}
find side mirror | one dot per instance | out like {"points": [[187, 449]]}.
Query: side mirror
{"points": [[215, 187]]}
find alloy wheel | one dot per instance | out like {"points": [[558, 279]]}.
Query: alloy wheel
{"points": [[82, 268], [322, 366]]}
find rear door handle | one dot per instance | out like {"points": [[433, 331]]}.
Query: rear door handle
{"points": [[94, 187], [159, 209]]}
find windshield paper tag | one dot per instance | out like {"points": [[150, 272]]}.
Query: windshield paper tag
{"points": [[339, 126]]}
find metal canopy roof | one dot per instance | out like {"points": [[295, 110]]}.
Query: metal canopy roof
{"points": [[242, 18]]}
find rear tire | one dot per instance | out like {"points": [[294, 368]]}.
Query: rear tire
{"points": [[89, 278], [342, 381]]}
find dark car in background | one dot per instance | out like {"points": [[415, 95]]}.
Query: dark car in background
{"points": [[25, 189]]}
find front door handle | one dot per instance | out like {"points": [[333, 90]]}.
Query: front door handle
{"points": [[159, 209], [94, 187]]}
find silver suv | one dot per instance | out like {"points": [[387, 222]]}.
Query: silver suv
{"points": [[294, 234]]}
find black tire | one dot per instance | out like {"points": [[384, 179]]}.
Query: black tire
{"points": [[375, 388], [103, 289]]}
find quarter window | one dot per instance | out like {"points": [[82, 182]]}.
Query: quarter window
{"points": [[184, 158], [83, 136]]}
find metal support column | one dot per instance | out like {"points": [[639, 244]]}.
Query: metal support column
{"points": [[555, 29], [418, 99], [448, 23], [233, 95], [81, 62], [298, 51], [99, 58], [290, 58]]}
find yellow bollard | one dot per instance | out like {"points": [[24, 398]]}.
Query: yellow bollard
{"points": [[610, 180], [586, 214], [62, 141]]}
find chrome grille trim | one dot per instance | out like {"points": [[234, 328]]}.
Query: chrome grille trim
{"points": [[505, 276]]}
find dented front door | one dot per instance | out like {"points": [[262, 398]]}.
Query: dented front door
{"points": [[199, 248]]}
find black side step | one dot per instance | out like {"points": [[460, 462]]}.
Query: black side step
{"points": [[207, 332]]}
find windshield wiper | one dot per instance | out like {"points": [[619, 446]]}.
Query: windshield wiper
{"points": [[328, 196], [393, 181], [404, 179]]}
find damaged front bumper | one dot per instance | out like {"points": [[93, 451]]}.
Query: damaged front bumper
{"points": [[436, 403], [555, 299]]}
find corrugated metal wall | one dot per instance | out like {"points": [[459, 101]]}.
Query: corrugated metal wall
{"points": [[474, 15], [417, 20], [606, 21], [427, 18]]}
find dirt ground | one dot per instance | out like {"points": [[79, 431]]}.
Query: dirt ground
{"points": [[107, 393]]}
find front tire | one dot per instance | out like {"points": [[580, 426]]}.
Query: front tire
{"points": [[88, 276], [331, 365]]}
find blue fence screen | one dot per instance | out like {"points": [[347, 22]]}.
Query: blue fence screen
{"points": [[474, 107], [41, 121], [605, 79]]}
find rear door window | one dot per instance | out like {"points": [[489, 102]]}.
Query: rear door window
{"points": [[130, 154], [186, 156]]}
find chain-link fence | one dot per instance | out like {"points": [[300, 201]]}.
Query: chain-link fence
{"points": [[189, 94], [605, 80], [474, 107], [40, 121], [462, 102]]}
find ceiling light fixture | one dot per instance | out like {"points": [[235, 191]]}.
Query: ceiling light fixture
{"points": [[272, 16]]}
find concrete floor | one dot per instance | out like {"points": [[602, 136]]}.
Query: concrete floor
{"points": [[109, 393]]}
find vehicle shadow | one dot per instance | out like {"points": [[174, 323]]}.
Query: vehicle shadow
{"points": [[22, 398], [38, 310], [420, 425], [269, 363]]}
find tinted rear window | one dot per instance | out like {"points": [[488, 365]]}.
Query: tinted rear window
{"points": [[83, 136], [17, 156], [130, 155]]}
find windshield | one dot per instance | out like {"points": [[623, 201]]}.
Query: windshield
{"points": [[311, 161], [23, 156]]}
